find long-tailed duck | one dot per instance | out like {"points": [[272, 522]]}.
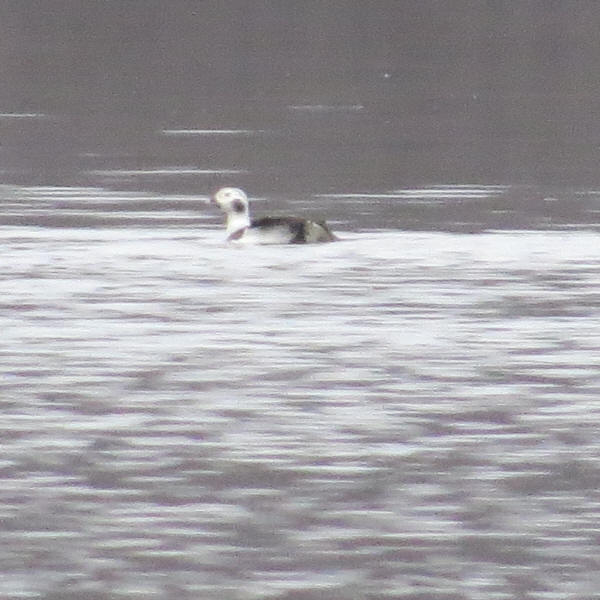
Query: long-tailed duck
{"points": [[266, 230]]}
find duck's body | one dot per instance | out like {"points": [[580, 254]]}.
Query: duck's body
{"points": [[266, 230]]}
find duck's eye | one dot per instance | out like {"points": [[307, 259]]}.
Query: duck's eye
{"points": [[238, 206]]}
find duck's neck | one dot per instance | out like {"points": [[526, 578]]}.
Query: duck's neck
{"points": [[236, 222]]}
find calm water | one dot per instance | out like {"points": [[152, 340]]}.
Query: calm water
{"points": [[402, 414]]}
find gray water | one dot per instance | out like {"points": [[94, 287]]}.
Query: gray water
{"points": [[409, 413], [401, 414]]}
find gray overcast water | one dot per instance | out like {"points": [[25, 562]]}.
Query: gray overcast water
{"points": [[410, 413]]}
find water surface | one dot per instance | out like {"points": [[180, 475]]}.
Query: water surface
{"points": [[410, 413], [401, 414]]}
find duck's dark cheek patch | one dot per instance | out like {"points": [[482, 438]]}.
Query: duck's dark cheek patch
{"points": [[238, 206]]}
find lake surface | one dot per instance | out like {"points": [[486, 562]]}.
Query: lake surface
{"points": [[403, 414], [410, 413]]}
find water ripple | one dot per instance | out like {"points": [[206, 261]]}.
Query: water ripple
{"points": [[398, 414]]}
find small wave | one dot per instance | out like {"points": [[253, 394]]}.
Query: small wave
{"points": [[17, 115], [209, 132], [165, 171], [433, 193], [326, 107]]}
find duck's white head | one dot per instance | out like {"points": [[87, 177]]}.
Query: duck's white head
{"points": [[234, 203]]}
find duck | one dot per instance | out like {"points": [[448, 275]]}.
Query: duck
{"points": [[266, 230]]}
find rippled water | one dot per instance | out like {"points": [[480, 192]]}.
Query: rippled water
{"points": [[409, 413]]}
